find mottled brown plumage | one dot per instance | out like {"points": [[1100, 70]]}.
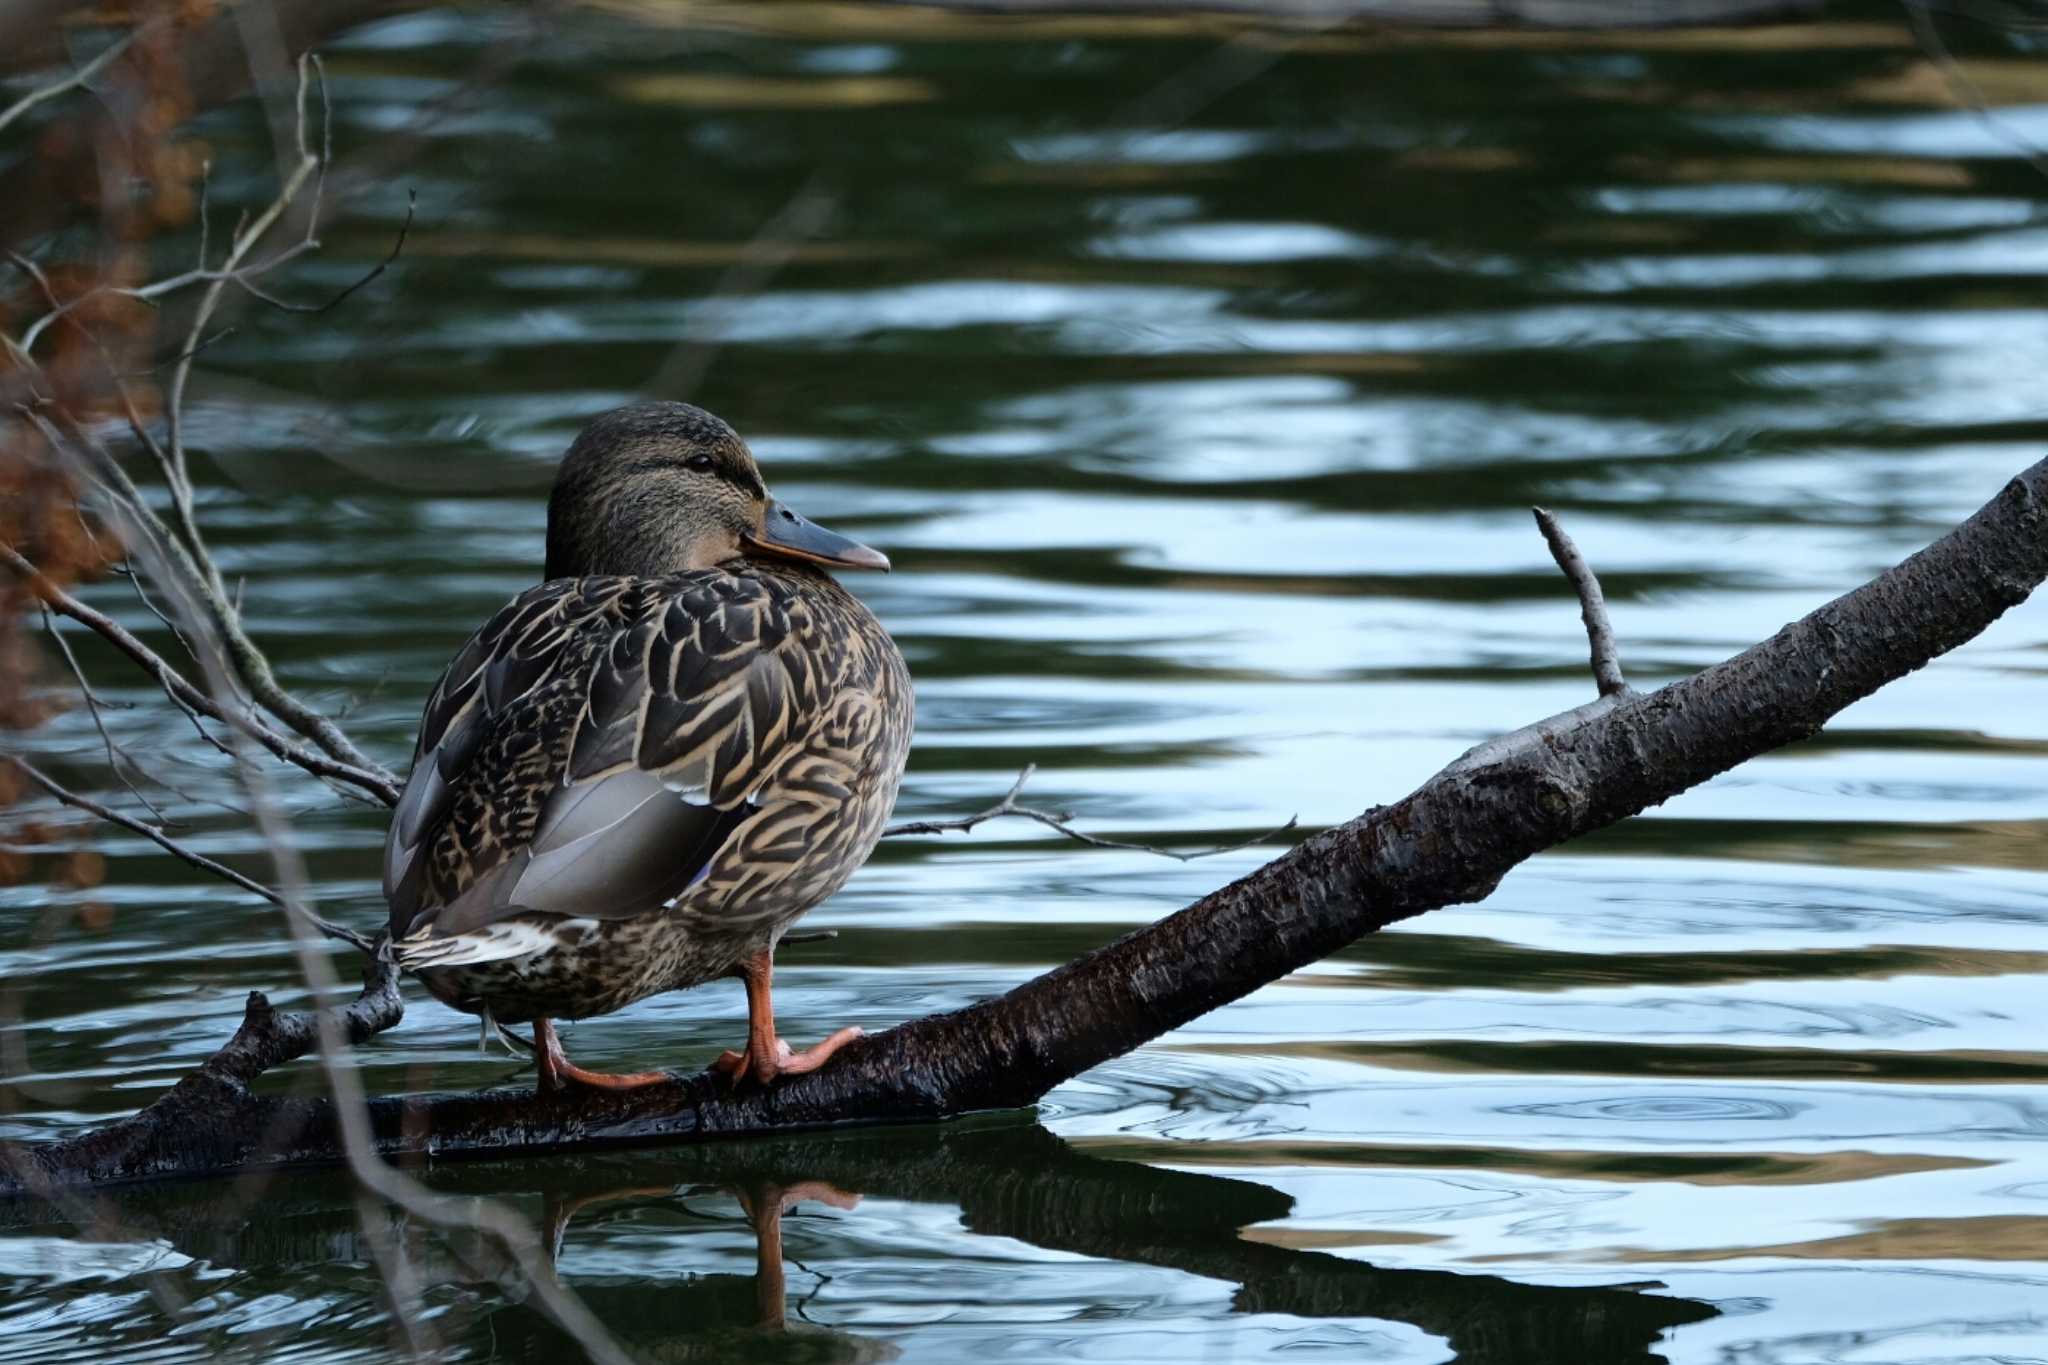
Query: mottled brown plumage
{"points": [[641, 772]]}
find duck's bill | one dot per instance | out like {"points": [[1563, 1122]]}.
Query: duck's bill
{"points": [[785, 533]]}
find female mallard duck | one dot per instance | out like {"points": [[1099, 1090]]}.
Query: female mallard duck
{"points": [[639, 774]]}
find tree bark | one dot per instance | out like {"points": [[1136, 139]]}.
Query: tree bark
{"points": [[1448, 842]]}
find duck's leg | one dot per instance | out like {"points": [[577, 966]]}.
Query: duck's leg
{"points": [[558, 1073], [767, 1056], [764, 1206]]}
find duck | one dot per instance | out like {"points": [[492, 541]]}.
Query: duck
{"points": [[642, 771]]}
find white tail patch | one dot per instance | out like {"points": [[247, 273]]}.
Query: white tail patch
{"points": [[497, 942]]}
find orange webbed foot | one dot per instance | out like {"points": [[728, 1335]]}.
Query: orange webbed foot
{"points": [[782, 1060], [558, 1073]]}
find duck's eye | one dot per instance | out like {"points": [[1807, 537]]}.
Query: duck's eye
{"points": [[702, 464]]}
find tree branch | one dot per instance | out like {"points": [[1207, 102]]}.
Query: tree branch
{"points": [[1592, 605], [250, 665], [191, 699], [216, 66], [118, 759], [1448, 842], [267, 1038], [183, 549], [243, 277], [157, 836], [1061, 822], [73, 81]]}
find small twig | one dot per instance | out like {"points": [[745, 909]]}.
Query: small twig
{"points": [[27, 367], [184, 549], [377, 784], [1592, 606], [247, 235], [198, 348], [1966, 90], [117, 757], [35, 272], [58, 310], [78, 673], [49, 293], [246, 279], [1062, 822], [177, 850], [244, 276], [205, 209], [74, 81], [127, 571]]}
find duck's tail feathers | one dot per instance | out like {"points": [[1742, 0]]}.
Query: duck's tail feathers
{"points": [[495, 942]]}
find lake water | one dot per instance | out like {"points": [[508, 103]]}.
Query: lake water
{"points": [[1198, 381]]}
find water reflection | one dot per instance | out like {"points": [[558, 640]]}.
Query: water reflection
{"points": [[611, 1223]]}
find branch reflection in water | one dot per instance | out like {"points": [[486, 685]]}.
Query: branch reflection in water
{"points": [[1008, 1179]]}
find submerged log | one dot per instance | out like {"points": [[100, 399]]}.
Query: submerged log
{"points": [[1448, 842]]}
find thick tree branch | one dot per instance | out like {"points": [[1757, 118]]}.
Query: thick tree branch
{"points": [[1448, 842], [267, 1038]]}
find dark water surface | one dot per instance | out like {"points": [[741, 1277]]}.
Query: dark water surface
{"points": [[1198, 385]]}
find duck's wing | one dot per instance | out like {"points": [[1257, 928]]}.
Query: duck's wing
{"points": [[593, 747]]}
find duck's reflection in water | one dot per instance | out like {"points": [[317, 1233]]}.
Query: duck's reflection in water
{"points": [[618, 1225], [763, 1202]]}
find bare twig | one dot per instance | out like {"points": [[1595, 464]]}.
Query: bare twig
{"points": [[74, 81], [1592, 606], [127, 571], [1613, 688], [244, 278], [1060, 821], [247, 278], [178, 850], [117, 757], [244, 241], [377, 783], [188, 563], [205, 344], [1966, 90], [196, 565]]}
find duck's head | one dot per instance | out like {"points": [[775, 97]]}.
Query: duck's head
{"points": [[660, 487]]}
